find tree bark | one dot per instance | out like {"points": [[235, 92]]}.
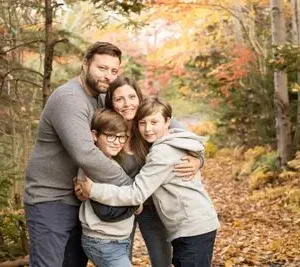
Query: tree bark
{"points": [[281, 99], [49, 50], [296, 40]]}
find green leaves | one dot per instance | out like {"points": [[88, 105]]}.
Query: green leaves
{"points": [[122, 7], [286, 58]]}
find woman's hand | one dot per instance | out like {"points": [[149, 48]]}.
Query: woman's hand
{"points": [[139, 210], [188, 168]]}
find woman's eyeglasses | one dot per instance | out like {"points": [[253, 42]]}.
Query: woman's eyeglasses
{"points": [[112, 138]]}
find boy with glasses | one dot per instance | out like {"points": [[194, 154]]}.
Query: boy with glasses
{"points": [[106, 243]]}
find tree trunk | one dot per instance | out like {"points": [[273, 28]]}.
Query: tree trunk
{"points": [[49, 49], [296, 40], [281, 99]]}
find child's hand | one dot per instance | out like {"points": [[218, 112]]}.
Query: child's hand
{"points": [[139, 210], [78, 190], [86, 187], [82, 188]]}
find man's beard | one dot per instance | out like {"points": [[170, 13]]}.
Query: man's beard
{"points": [[93, 84]]}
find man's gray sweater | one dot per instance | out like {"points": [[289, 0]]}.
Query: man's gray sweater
{"points": [[63, 144]]}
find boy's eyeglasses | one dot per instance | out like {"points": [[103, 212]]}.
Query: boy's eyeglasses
{"points": [[112, 138]]}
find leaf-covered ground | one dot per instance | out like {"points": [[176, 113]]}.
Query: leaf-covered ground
{"points": [[256, 230]]}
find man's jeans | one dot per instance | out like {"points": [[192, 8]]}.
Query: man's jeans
{"points": [[55, 235], [107, 252], [193, 251]]}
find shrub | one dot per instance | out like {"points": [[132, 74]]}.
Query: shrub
{"points": [[210, 149]]}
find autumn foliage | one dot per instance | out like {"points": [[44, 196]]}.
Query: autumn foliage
{"points": [[229, 74]]}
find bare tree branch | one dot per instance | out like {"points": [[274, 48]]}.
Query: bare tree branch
{"points": [[254, 47], [29, 82], [18, 69], [20, 45]]}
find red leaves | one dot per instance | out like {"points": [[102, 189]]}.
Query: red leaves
{"points": [[229, 74]]}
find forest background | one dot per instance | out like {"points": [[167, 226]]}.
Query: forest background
{"points": [[229, 68]]}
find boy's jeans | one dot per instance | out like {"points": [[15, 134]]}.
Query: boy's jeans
{"points": [[107, 252], [194, 251]]}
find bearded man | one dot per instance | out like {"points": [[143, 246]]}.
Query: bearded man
{"points": [[63, 144]]}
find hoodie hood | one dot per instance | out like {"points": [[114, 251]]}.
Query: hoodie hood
{"points": [[182, 139]]}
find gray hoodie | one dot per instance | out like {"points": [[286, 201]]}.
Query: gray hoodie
{"points": [[183, 206], [95, 227]]}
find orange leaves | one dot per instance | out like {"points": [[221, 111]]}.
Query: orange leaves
{"points": [[204, 128], [229, 74]]}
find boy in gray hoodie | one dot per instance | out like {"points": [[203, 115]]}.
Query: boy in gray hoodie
{"points": [[183, 206]]}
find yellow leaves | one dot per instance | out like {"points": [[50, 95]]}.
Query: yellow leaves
{"points": [[203, 128], [228, 263], [288, 175], [260, 178], [295, 163], [255, 152], [184, 90], [206, 128], [293, 199], [295, 87], [237, 224], [210, 149]]}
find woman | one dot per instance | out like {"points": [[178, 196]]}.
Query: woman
{"points": [[124, 96], [183, 206]]}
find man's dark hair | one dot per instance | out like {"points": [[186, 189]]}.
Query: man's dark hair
{"points": [[103, 48]]}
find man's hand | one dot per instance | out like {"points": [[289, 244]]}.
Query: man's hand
{"points": [[188, 168]]}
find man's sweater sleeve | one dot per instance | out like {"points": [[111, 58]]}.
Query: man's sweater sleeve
{"points": [[70, 119], [152, 175]]}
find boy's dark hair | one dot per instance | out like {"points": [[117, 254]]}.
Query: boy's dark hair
{"points": [[103, 48], [108, 121]]}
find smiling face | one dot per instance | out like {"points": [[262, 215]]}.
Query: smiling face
{"points": [[109, 148], [126, 101], [101, 69], [153, 127]]}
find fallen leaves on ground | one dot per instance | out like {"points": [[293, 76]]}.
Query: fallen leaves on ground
{"points": [[140, 256], [254, 231]]}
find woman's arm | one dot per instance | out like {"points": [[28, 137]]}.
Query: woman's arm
{"points": [[189, 165]]}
